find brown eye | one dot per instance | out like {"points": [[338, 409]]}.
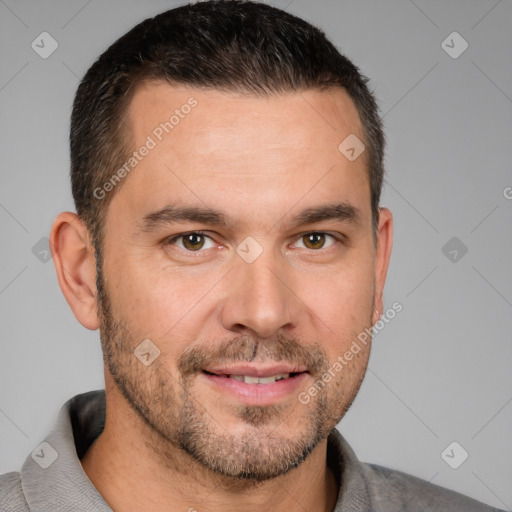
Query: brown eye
{"points": [[192, 242], [314, 240]]}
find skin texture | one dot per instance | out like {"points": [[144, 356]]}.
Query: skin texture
{"points": [[172, 439]]}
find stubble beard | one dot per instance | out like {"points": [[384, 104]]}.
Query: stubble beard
{"points": [[176, 419]]}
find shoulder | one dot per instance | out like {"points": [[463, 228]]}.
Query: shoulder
{"points": [[12, 498], [365, 486], [393, 490]]}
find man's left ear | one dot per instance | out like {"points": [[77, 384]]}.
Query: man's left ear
{"points": [[73, 257], [383, 255]]}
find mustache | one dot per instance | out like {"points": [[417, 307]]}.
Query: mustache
{"points": [[245, 348]]}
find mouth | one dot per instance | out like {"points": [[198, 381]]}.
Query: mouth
{"points": [[252, 379], [256, 385]]}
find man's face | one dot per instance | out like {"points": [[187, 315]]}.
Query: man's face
{"points": [[256, 293]]}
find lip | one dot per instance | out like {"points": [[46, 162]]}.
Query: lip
{"points": [[256, 394], [257, 371]]}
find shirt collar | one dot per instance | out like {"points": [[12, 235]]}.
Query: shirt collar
{"points": [[63, 485], [53, 479]]}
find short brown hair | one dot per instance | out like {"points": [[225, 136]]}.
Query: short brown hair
{"points": [[234, 46]]}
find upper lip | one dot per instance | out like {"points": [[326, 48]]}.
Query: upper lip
{"points": [[257, 371]]}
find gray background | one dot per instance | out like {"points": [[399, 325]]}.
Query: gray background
{"points": [[440, 371]]}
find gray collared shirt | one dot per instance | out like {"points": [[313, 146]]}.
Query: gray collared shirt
{"points": [[53, 480]]}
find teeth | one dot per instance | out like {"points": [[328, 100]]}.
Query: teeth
{"points": [[248, 379]]}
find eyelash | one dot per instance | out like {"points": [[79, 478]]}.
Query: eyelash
{"points": [[170, 241]]}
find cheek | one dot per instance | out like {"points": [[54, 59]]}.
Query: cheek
{"points": [[342, 306], [343, 292], [157, 302]]}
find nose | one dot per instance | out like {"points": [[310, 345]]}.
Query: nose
{"points": [[259, 298]]}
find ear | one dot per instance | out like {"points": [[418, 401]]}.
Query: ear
{"points": [[73, 257], [383, 255]]}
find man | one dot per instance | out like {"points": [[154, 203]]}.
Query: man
{"points": [[227, 164]]}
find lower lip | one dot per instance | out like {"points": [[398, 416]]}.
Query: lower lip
{"points": [[257, 394]]}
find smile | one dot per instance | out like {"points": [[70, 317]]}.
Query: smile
{"points": [[249, 379], [256, 386]]}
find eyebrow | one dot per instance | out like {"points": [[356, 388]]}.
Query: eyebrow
{"points": [[172, 214]]}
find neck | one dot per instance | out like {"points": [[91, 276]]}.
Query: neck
{"points": [[133, 475]]}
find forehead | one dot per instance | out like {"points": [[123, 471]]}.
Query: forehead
{"points": [[216, 116], [208, 146]]}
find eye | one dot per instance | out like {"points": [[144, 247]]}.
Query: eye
{"points": [[316, 240], [193, 241]]}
